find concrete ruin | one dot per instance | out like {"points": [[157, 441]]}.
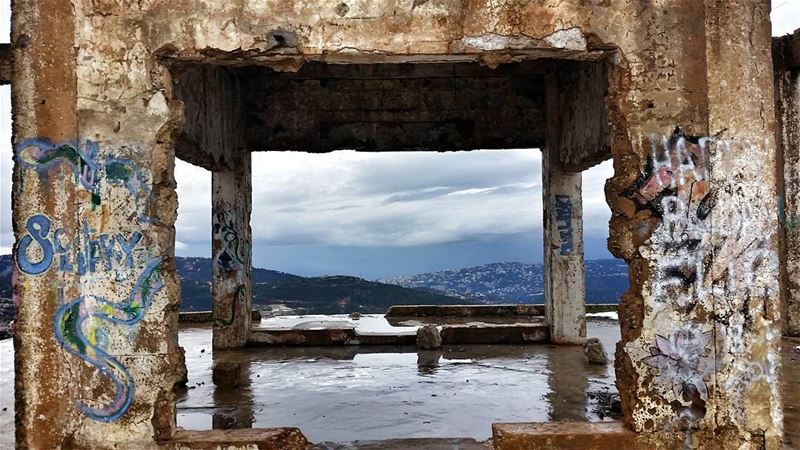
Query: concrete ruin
{"points": [[106, 94]]}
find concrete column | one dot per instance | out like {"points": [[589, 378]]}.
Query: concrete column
{"points": [[231, 286], [786, 58], [564, 289]]}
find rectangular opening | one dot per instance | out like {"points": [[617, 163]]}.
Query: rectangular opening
{"points": [[345, 377]]}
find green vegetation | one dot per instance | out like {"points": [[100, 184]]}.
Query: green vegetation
{"points": [[342, 295]]}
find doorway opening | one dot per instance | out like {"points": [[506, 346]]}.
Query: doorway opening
{"points": [[444, 107]]}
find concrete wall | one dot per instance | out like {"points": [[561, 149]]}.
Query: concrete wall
{"points": [[96, 118]]}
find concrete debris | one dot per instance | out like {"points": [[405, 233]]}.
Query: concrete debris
{"points": [[595, 354], [429, 338]]}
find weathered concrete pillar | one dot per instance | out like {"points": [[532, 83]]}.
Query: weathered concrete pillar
{"points": [[694, 214], [94, 208], [564, 289], [786, 60], [231, 285]]}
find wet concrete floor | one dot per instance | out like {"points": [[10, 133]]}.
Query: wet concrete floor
{"points": [[370, 393], [343, 394]]}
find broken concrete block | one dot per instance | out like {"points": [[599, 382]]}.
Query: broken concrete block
{"points": [[428, 337], [595, 354]]}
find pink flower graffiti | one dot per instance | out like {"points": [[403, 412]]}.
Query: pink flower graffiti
{"points": [[682, 360]]}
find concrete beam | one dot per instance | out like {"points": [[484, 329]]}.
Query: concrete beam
{"points": [[584, 139], [564, 288], [212, 133], [441, 107], [231, 286]]}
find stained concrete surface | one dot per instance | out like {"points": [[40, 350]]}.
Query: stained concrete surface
{"points": [[791, 392], [343, 394]]}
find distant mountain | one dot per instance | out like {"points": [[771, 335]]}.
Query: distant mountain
{"points": [[606, 281], [199, 269], [195, 276], [321, 295], [342, 294]]}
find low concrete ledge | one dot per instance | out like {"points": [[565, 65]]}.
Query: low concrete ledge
{"points": [[496, 335], [465, 310], [208, 316], [260, 438], [601, 307], [578, 436], [517, 334], [263, 337], [460, 311]]}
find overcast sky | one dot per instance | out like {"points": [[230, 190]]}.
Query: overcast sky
{"points": [[377, 215]]}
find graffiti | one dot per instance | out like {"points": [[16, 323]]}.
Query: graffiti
{"points": [[41, 155], [234, 251], [82, 326], [731, 263], [78, 252], [563, 208], [88, 168], [78, 329], [238, 299], [679, 166], [695, 260], [682, 361]]}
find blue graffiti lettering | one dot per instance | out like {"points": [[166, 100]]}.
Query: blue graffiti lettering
{"points": [[38, 228], [88, 252], [563, 207]]}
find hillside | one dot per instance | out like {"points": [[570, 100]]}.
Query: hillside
{"points": [[341, 294], [322, 295], [606, 281], [199, 269]]}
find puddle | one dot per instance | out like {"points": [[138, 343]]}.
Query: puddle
{"points": [[347, 393], [371, 393]]}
